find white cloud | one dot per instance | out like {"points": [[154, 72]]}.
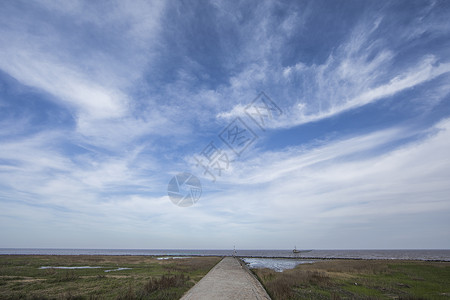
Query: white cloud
{"points": [[88, 63], [237, 111], [65, 84], [425, 71], [359, 71], [39, 172], [111, 179], [338, 184]]}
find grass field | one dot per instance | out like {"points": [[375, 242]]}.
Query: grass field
{"points": [[359, 279], [148, 278]]}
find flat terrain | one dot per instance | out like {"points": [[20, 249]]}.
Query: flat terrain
{"points": [[227, 280], [147, 278], [360, 279], [150, 278]]}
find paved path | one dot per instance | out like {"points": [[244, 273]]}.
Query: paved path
{"points": [[227, 280]]}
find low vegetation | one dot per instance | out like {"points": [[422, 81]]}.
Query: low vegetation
{"points": [[359, 279], [147, 278]]}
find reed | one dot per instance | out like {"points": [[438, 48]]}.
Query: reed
{"points": [[359, 279], [148, 278]]}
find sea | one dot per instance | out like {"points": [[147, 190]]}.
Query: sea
{"points": [[429, 255]]}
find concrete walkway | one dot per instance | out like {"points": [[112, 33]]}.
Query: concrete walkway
{"points": [[227, 280]]}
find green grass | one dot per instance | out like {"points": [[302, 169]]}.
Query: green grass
{"points": [[149, 278], [360, 279]]}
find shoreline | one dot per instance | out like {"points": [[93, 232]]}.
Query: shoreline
{"points": [[240, 257]]}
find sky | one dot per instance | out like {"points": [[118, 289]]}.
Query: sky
{"points": [[316, 124]]}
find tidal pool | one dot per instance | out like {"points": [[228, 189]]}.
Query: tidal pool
{"points": [[70, 268], [84, 267], [172, 257], [118, 269], [277, 264]]}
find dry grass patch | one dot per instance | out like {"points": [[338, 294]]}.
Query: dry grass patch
{"points": [[148, 278], [359, 279], [283, 285]]}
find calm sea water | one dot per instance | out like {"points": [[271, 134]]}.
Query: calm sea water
{"points": [[443, 255], [277, 264]]}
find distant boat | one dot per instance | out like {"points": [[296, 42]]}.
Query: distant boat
{"points": [[300, 251]]}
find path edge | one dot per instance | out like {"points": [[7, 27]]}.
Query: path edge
{"points": [[245, 267], [210, 270]]}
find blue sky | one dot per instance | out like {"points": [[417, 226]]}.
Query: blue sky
{"points": [[102, 103]]}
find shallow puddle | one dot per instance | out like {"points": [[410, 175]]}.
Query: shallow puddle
{"points": [[70, 268], [277, 264]]}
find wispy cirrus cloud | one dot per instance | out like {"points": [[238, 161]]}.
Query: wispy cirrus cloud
{"points": [[427, 70], [339, 184], [361, 70], [49, 51], [102, 103]]}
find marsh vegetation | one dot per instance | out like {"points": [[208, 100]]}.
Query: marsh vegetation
{"points": [[21, 277], [359, 279]]}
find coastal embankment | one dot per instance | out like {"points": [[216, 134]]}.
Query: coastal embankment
{"points": [[227, 280]]}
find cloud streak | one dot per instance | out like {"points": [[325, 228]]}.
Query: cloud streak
{"points": [[102, 103]]}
